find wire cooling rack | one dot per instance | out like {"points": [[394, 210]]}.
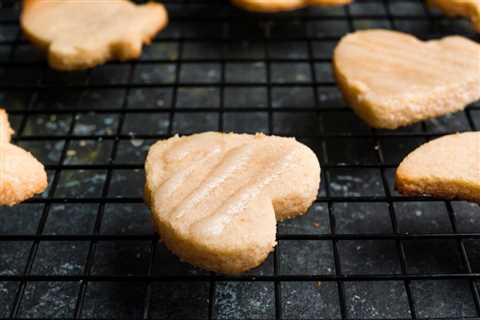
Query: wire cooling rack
{"points": [[86, 247]]}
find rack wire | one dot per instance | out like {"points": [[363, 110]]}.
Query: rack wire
{"points": [[86, 247]]}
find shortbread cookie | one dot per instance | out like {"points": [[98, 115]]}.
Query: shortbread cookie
{"points": [[284, 5], [448, 167], [216, 197], [5, 130], [79, 34], [392, 79], [21, 175], [464, 8]]}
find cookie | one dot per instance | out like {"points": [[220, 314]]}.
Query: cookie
{"points": [[5, 130], [215, 198], [464, 8], [284, 5], [21, 175], [392, 79], [447, 167], [79, 34]]}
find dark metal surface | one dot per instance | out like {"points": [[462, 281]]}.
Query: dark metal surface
{"points": [[86, 247]]}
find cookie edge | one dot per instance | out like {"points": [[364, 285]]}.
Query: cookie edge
{"points": [[467, 10], [5, 136], [281, 6]]}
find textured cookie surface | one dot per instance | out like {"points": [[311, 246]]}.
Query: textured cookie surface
{"points": [[21, 175], [465, 8], [79, 34], [284, 5], [215, 198], [392, 79], [447, 167]]}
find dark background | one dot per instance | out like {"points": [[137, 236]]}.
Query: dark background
{"points": [[86, 247]]}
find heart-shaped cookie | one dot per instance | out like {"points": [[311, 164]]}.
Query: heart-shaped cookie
{"points": [[21, 175], [284, 5], [464, 8], [79, 34], [392, 79], [447, 167], [215, 198]]}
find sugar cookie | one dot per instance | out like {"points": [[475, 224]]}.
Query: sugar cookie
{"points": [[464, 8], [216, 197], [447, 167], [284, 5], [79, 34], [21, 175], [5, 130], [392, 79]]}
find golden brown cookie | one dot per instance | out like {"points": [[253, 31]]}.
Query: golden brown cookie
{"points": [[464, 8], [21, 175], [284, 5], [215, 198], [447, 167], [79, 34], [392, 79]]}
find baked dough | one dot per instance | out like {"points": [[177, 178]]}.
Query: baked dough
{"points": [[465, 8], [79, 34], [284, 5], [21, 175], [392, 79], [5, 130], [215, 198], [447, 167]]}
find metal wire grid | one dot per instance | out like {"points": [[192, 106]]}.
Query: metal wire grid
{"points": [[215, 25]]}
